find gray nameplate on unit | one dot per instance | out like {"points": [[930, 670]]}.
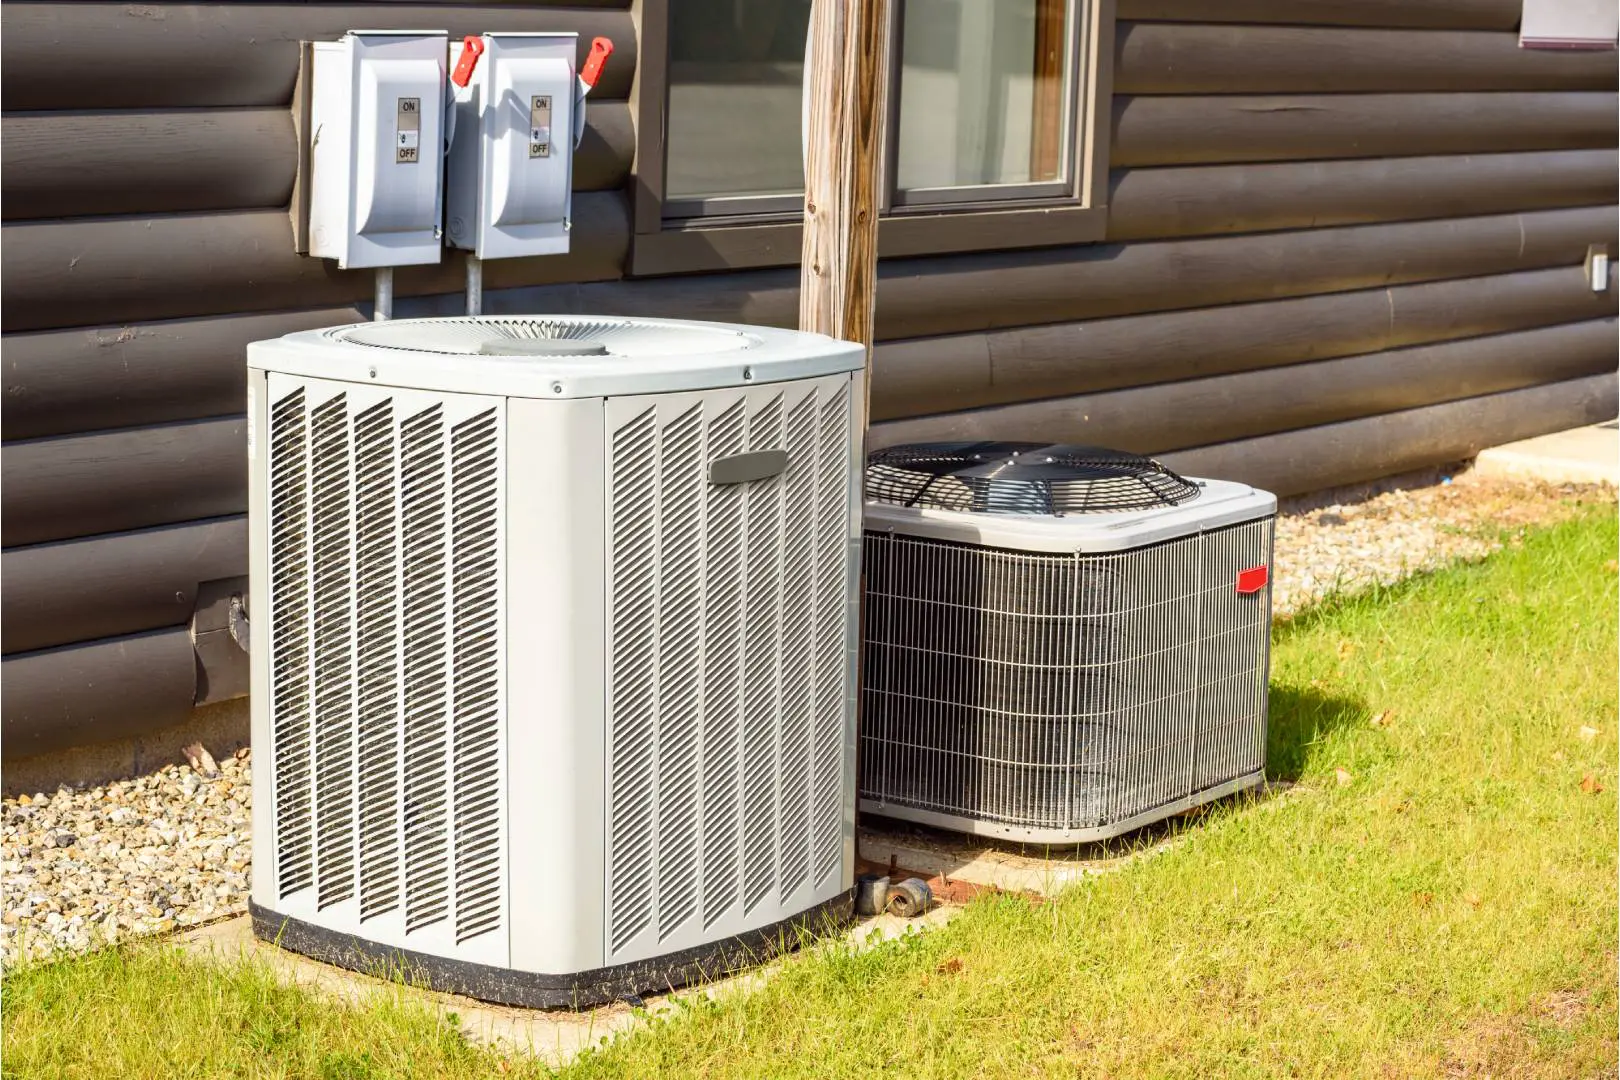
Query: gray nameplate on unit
{"points": [[741, 468], [407, 150]]}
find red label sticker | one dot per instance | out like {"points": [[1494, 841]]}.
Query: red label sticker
{"points": [[1253, 579]]}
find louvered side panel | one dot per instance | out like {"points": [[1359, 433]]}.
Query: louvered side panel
{"points": [[798, 644], [727, 600], [680, 666], [289, 643], [387, 655], [332, 610], [426, 810], [633, 694], [722, 693], [761, 666], [377, 656], [831, 642], [476, 669]]}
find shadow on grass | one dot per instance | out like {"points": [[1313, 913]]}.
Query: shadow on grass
{"points": [[1299, 718]]}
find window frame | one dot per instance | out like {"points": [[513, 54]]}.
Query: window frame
{"points": [[1067, 192], [966, 222]]}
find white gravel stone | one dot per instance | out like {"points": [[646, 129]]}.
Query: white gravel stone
{"points": [[89, 867]]}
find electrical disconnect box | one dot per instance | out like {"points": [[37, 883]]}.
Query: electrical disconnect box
{"points": [[519, 111], [376, 148]]}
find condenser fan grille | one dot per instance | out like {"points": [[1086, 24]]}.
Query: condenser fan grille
{"points": [[575, 336], [1022, 478]]}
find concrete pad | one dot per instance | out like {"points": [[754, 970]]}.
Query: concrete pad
{"points": [[946, 860], [955, 864], [1587, 455], [554, 1036]]}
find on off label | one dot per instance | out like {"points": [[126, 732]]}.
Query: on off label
{"points": [[408, 143], [540, 126]]}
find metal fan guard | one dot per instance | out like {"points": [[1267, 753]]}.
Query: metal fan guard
{"points": [[466, 335], [1091, 480]]}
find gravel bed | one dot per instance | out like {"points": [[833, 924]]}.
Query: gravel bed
{"points": [[88, 867], [1349, 540], [171, 849]]}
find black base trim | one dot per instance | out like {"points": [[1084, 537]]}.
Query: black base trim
{"points": [[534, 990]]}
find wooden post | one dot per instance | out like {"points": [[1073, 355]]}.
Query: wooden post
{"points": [[848, 55]]}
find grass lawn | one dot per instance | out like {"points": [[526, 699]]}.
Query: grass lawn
{"points": [[1436, 897]]}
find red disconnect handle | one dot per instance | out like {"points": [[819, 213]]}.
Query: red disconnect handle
{"points": [[472, 48], [601, 49], [1253, 579]]}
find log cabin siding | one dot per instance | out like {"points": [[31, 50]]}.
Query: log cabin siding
{"points": [[98, 270], [1354, 450], [1344, 239], [1180, 58], [1430, 15], [116, 584], [98, 691], [1300, 127], [208, 56], [85, 380], [218, 159], [1189, 413], [109, 481]]}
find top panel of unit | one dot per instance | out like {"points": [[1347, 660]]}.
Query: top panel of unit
{"points": [[990, 477], [1218, 503], [556, 356]]}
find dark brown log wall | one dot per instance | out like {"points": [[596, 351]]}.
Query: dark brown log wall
{"points": [[1433, 14], [163, 55], [1172, 58], [217, 159], [1197, 412], [1297, 127], [1375, 446], [107, 586], [1345, 238], [148, 160]]}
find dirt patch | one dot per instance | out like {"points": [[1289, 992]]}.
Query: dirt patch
{"points": [[1563, 1009], [1494, 1047], [1506, 1047]]}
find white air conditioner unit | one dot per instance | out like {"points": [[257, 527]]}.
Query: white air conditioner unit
{"points": [[553, 681], [1061, 643]]}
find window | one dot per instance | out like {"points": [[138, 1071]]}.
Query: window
{"points": [[985, 101], [995, 137], [736, 73], [1568, 24]]}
